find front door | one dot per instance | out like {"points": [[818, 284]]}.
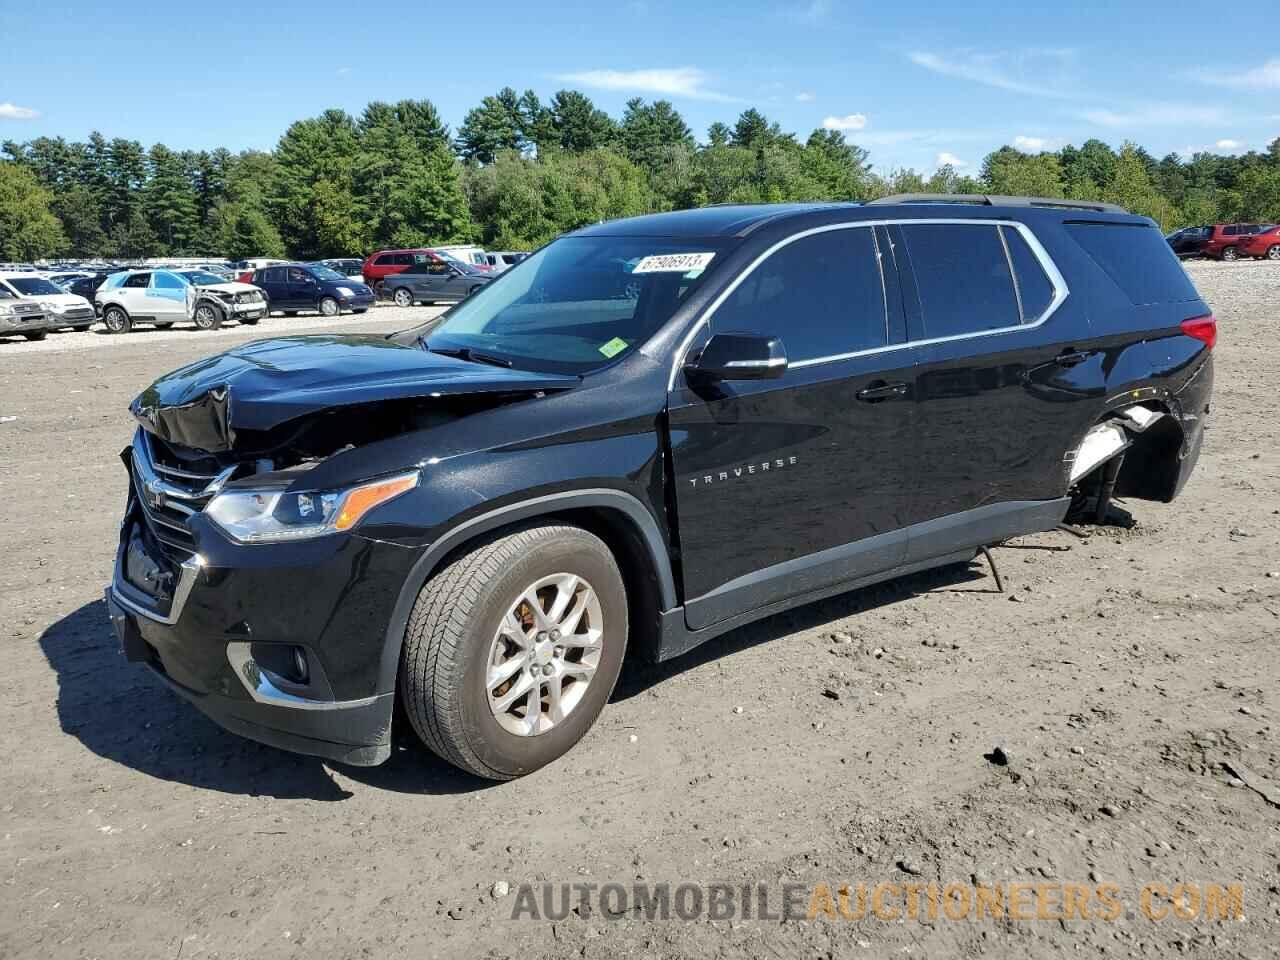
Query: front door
{"points": [[1004, 380], [789, 486], [167, 297], [301, 289]]}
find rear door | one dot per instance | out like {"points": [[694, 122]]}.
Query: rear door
{"points": [[1003, 382], [788, 486], [133, 295], [272, 281]]}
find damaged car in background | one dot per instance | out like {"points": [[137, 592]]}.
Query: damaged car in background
{"points": [[165, 297], [644, 435]]}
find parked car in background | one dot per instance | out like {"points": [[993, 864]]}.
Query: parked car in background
{"points": [[467, 253], [1264, 245], [295, 287], [1189, 241], [64, 278], [500, 260], [87, 287], [350, 267], [63, 309], [21, 316], [434, 281], [242, 269], [1224, 240], [165, 297]]}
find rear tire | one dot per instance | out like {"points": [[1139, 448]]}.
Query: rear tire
{"points": [[471, 622], [36, 335], [1273, 252], [116, 320], [1230, 254]]}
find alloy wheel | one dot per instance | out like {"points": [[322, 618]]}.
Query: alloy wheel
{"points": [[544, 654], [1273, 252]]}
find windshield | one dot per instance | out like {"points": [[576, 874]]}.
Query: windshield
{"points": [[577, 303], [321, 272], [201, 277], [34, 286]]}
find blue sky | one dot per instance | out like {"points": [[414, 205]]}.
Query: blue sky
{"points": [[915, 85]]}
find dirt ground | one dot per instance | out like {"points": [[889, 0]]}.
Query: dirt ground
{"points": [[850, 742]]}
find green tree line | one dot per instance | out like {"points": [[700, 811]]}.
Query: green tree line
{"points": [[520, 171]]}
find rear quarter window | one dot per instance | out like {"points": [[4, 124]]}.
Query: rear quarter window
{"points": [[1137, 258]]}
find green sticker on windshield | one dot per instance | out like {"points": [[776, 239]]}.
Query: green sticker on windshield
{"points": [[614, 347]]}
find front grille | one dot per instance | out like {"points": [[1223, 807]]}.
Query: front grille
{"points": [[79, 313], [171, 488]]}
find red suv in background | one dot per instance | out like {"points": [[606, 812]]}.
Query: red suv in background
{"points": [[1264, 245], [1226, 240], [378, 266]]}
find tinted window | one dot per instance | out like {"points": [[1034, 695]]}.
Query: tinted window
{"points": [[167, 281], [403, 259], [138, 280], [821, 295], [384, 260], [1137, 259], [1034, 290], [962, 277], [437, 267], [298, 276]]}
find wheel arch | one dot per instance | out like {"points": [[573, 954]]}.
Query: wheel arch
{"points": [[617, 517]]}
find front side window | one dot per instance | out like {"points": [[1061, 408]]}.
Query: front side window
{"points": [[962, 278], [577, 304], [821, 295], [298, 276], [167, 281]]}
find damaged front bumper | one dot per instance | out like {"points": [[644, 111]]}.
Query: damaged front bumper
{"points": [[283, 644]]}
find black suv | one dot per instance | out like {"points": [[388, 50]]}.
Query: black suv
{"points": [[646, 434]]}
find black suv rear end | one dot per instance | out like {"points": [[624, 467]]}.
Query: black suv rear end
{"points": [[646, 434]]}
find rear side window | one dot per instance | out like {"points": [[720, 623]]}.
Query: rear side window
{"points": [[822, 295], [1137, 259], [403, 259], [138, 280], [384, 260], [1229, 231], [962, 277], [1032, 286]]}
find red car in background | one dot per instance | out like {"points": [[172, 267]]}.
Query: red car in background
{"points": [[1226, 240], [1264, 245], [378, 266]]}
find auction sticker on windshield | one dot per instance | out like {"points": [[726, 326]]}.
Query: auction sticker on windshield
{"points": [[674, 263]]}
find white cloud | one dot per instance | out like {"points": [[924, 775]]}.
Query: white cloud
{"points": [[853, 121], [1228, 144], [1155, 115], [805, 97], [689, 82], [1029, 144], [11, 111], [947, 159], [998, 70], [1264, 77]]}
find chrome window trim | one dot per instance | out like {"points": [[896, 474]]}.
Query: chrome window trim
{"points": [[1056, 280]]}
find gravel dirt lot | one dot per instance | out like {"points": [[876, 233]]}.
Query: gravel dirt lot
{"points": [[848, 742]]}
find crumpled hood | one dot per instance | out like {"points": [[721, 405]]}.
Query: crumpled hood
{"points": [[229, 286], [261, 385]]}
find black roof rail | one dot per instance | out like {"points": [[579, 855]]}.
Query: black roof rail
{"points": [[995, 200]]}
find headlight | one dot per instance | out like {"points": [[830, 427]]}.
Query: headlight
{"points": [[263, 516], [346, 291]]}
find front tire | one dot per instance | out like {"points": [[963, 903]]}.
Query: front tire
{"points": [[513, 648], [403, 297], [208, 317], [329, 307], [116, 320], [1230, 254], [35, 335]]}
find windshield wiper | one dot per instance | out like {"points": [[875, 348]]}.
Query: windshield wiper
{"points": [[472, 356]]}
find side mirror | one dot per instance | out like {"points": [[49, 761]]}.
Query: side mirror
{"points": [[740, 356]]}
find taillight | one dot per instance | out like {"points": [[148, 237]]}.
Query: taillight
{"points": [[1204, 329]]}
